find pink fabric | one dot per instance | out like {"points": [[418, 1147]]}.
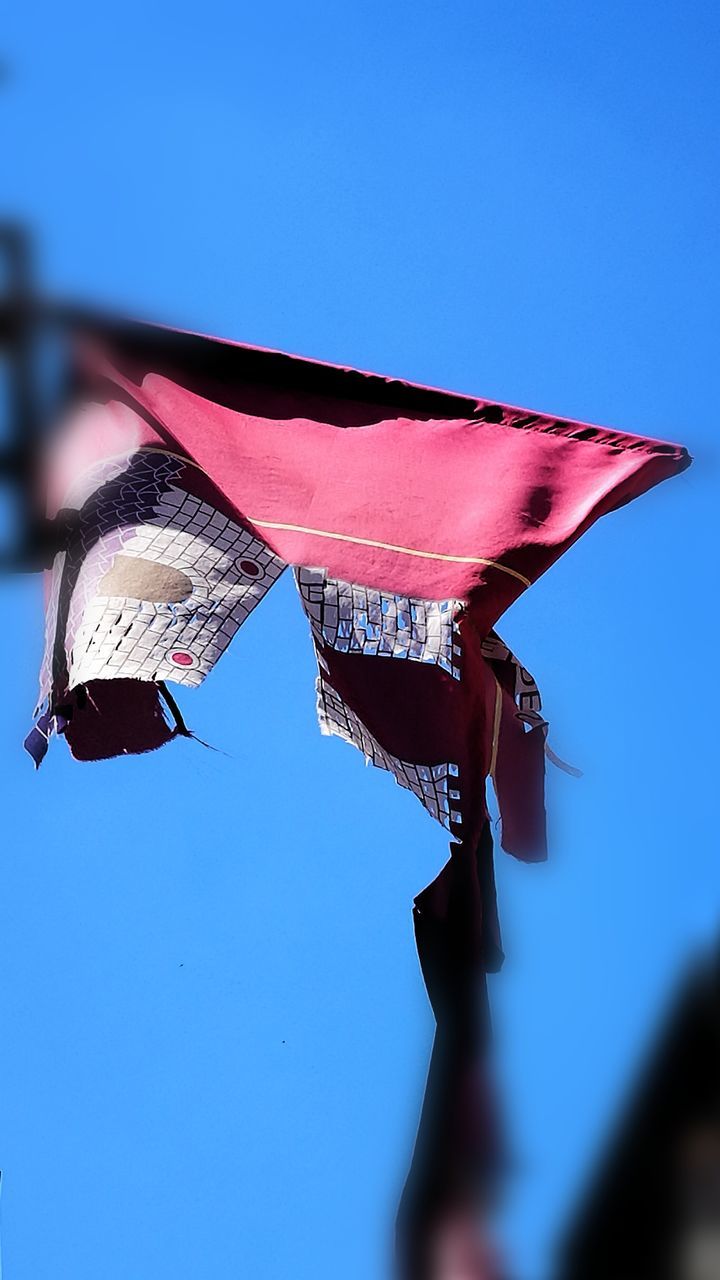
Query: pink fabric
{"points": [[462, 488]]}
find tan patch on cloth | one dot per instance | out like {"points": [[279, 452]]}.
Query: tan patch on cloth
{"points": [[145, 580]]}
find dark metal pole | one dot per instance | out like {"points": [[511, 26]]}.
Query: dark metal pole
{"points": [[21, 436]]}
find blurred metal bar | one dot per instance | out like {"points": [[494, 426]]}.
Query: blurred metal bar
{"points": [[20, 446], [652, 1207]]}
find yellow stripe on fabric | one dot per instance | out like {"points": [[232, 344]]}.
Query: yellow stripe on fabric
{"points": [[349, 537], [496, 727], [388, 546]]}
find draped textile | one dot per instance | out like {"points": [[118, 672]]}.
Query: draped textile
{"points": [[192, 472]]}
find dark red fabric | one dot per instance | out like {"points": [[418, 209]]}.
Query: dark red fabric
{"points": [[99, 726], [458, 1151]]}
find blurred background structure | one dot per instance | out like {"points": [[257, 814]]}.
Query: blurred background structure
{"points": [[20, 409], [653, 1211]]}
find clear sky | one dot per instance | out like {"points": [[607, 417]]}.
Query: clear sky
{"points": [[214, 1032]]}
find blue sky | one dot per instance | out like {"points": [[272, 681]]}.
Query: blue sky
{"points": [[214, 1029]]}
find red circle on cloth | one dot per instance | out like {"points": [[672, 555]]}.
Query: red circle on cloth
{"points": [[182, 659], [252, 569]]}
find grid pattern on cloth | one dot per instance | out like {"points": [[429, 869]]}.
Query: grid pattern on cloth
{"points": [[436, 786], [357, 619], [526, 692], [139, 512]]}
